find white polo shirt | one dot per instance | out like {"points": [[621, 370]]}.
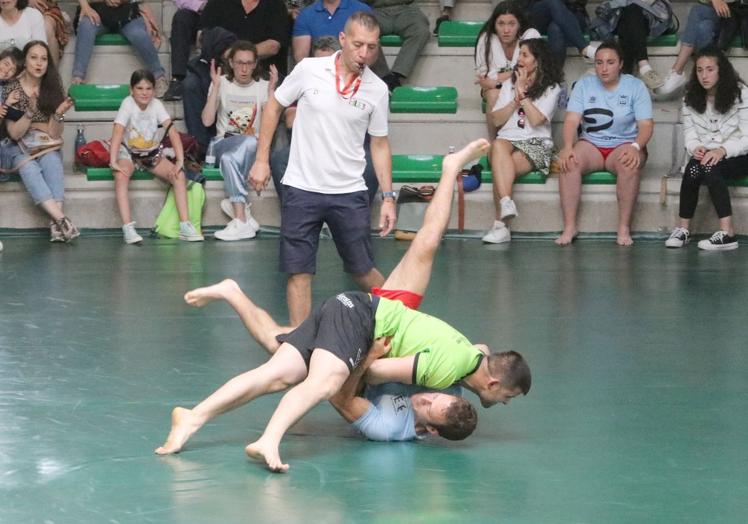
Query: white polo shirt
{"points": [[327, 145]]}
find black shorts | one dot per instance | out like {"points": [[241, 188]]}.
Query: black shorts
{"points": [[302, 216], [342, 325]]}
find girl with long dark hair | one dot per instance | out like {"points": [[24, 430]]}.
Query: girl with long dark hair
{"points": [[715, 125]]}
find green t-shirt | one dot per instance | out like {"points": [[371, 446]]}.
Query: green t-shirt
{"points": [[445, 355]]}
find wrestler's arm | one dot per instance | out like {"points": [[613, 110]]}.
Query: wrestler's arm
{"points": [[346, 401], [392, 370]]}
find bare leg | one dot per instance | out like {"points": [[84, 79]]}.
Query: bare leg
{"points": [[54, 46], [683, 55], [165, 170], [413, 272], [502, 166], [627, 189], [52, 208], [258, 322], [327, 373], [369, 280], [725, 224], [299, 297], [239, 211], [491, 96], [588, 158], [121, 182], [285, 368]]}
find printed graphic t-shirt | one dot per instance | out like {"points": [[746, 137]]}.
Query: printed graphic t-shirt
{"points": [[141, 126]]}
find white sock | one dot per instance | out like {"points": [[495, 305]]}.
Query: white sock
{"points": [[645, 68], [505, 199]]}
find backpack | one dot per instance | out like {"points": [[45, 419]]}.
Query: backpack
{"points": [[167, 222]]}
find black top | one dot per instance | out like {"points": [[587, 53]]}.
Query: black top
{"points": [[268, 21]]}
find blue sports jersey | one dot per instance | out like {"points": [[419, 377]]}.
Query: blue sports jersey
{"points": [[609, 117], [316, 21], [391, 416]]}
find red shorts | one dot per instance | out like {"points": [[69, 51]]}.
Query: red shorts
{"points": [[606, 151], [410, 299]]}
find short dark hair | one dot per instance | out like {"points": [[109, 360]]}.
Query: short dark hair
{"points": [[613, 45], [461, 420], [364, 19], [325, 42], [511, 370], [22, 4], [140, 75], [244, 45], [16, 55]]}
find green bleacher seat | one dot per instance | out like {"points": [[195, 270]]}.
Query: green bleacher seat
{"points": [[599, 177], [92, 97], [738, 182], [422, 169], [459, 33], [409, 99], [391, 41], [111, 39], [12, 177], [94, 174]]}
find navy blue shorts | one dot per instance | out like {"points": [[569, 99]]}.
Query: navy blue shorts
{"points": [[349, 217]]}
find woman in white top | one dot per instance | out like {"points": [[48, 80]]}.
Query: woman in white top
{"points": [[523, 115], [235, 104], [497, 50], [715, 125], [20, 24]]}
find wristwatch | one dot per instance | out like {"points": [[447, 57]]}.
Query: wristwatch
{"points": [[60, 118], [389, 194]]}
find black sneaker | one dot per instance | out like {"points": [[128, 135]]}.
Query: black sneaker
{"points": [[392, 80], [719, 241], [174, 92], [678, 238], [439, 21]]}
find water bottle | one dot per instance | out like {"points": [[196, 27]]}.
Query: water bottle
{"points": [[210, 157], [80, 140]]}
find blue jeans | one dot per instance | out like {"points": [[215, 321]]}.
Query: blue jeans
{"points": [[195, 93], [134, 31], [43, 176], [235, 156], [561, 25], [702, 27]]}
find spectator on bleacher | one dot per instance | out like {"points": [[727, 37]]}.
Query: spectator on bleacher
{"points": [[325, 46], [44, 105], [614, 111], [235, 103], [136, 144], [322, 18], [497, 50], [265, 23], [295, 7], [115, 16], [215, 44], [184, 26], [564, 21], [404, 19], [715, 128], [523, 114], [633, 23], [20, 24], [702, 30], [55, 26]]}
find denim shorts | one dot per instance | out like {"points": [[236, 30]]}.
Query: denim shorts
{"points": [[349, 218]]}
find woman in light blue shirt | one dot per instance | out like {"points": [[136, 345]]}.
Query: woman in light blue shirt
{"points": [[615, 115]]}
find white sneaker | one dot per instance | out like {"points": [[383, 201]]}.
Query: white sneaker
{"points": [[719, 241], [228, 209], [588, 53], [673, 82], [497, 235], [678, 238], [236, 230], [651, 79], [1, 247], [131, 236], [188, 232], [508, 209]]}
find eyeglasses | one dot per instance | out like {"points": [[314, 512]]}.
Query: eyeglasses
{"points": [[521, 121], [236, 63]]}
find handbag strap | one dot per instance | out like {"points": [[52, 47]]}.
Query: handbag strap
{"points": [[30, 158]]}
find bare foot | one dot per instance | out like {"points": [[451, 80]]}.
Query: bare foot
{"points": [[205, 295], [183, 425], [566, 237], [472, 151], [268, 453], [624, 239]]}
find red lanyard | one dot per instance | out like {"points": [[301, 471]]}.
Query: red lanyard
{"points": [[351, 87]]}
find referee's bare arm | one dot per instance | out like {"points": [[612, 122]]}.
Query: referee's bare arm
{"points": [[259, 174], [381, 157]]}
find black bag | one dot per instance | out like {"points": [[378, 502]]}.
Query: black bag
{"points": [[736, 24], [113, 18], [412, 202]]}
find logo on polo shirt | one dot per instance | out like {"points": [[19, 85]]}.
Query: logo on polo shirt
{"points": [[623, 100], [358, 104]]}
